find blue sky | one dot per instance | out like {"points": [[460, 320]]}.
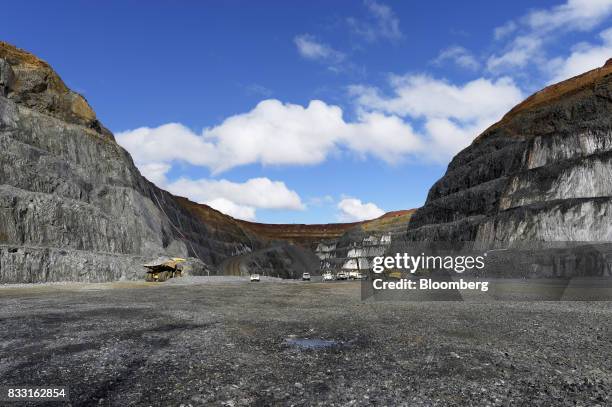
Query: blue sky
{"points": [[320, 113]]}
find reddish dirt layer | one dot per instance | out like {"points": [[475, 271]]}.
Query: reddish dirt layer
{"points": [[296, 233], [395, 214], [34, 78], [300, 234], [309, 234], [388, 220], [14, 54]]}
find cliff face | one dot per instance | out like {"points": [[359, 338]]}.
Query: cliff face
{"points": [[72, 204], [355, 249], [544, 172]]}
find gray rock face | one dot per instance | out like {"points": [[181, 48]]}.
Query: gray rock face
{"points": [[543, 173], [282, 260], [353, 251], [356, 248], [72, 204], [7, 77], [27, 264]]}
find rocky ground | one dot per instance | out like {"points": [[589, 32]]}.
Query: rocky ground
{"points": [[225, 341]]}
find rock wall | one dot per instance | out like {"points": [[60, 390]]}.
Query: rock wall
{"points": [[355, 249], [544, 172], [72, 204]]}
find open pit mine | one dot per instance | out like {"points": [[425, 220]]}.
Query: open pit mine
{"points": [[74, 207]]}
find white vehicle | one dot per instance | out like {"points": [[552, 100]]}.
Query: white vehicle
{"points": [[306, 277], [327, 276], [254, 277], [341, 275], [355, 275]]}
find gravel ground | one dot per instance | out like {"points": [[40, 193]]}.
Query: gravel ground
{"points": [[210, 341]]}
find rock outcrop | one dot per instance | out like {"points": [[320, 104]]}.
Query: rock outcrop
{"points": [[544, 172], [72, 204], [355, 249]]}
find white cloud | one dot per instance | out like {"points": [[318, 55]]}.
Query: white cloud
{"points": [[385, 137], [230, 208], [583, 58], [424, 96], [238, 199], [459, 56], [538, 27], [381, 23], [453, 115], [352, 210], [523, 50], [273, 133], [276, 133], [164, 144], [505, 30], [448, 137], [155, 172], [256, 192], [580, 15], [308, 47]]}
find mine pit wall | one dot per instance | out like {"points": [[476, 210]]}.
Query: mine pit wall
{"points": [[552, 260], [23, 264], [355, 250], [26, 264], [565, 197], [544, 174], [76, 208]]}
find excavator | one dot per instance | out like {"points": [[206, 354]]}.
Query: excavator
{"points": [[163, 269]]}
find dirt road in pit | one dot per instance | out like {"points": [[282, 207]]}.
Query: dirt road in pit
{"points": [[236, 343]]}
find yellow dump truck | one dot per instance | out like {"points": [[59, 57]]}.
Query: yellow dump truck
{"points": [[164, 268]]}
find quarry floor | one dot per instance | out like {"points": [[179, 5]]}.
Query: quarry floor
{"points": [[231, 342]]}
